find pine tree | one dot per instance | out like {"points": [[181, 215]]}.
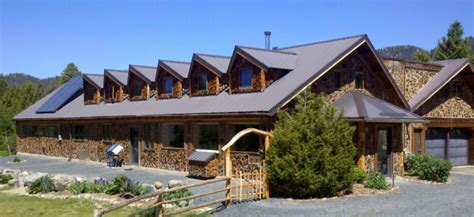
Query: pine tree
{"points": [[69, 72], [421, 56], [312, 152], [452, 46]]}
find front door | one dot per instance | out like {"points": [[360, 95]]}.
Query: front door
{"points": [[134, 146], [384, 149]]}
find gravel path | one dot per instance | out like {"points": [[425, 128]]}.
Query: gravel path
{"points": [[411, 199]]}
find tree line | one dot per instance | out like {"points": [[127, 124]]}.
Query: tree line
{"points": [[16, 98]]}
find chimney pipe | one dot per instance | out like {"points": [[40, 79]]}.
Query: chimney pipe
{"points": [[267, 39]]}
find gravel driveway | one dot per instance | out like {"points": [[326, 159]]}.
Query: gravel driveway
{"points": [[411, 199]]}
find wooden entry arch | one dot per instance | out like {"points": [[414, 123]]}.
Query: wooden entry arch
{"points": [[228, 162]]}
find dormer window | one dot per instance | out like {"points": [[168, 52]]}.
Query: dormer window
{"points": [[167, 85], [202, 82], [246, 77], [359, 80], [137, 87]]}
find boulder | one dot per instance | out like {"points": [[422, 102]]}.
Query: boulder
{"points": [[175, 183], [27, 180], [158, 185], [24, 173], [12, 182], [11, 172], [80, 179], [63, 179]]}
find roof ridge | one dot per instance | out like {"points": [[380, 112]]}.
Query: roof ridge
{"points": [[142, 66], [268, 50], [117, 70], [213, 55], [175, 61], [383, 101], [321, 42], [410, 61]]}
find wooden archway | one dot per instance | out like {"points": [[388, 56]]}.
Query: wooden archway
{"points": [[226, 150]]}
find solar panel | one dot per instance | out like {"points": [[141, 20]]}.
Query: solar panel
{"points": [[66, 93]]}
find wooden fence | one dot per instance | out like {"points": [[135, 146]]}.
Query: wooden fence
{"points": [[248, 186], [158, 205]]}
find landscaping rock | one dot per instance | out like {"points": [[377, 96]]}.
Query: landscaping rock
{"points": [[24, 173], [80, 179], [63, 179], [158, 185], [27, 180], [175, 183], [11, 172], [12, 182]]}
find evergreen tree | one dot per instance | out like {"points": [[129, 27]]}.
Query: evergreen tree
{"points": [[452, 46], [69, 72], [422, 56], [3, 84], [311, 153]]}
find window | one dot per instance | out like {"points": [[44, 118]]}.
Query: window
{"points": [[107, 133], [172, 135], [359, 80], [90, 92], [457, 90], [202, 81], [137, 87], [147, 136], [246, 77], [206, 136], [249, 142], [79, 132], [47, 131], [168, 85], [337, 79], [111, 91]]}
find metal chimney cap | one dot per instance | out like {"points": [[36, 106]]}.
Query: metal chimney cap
{"points": [[268, 33]]}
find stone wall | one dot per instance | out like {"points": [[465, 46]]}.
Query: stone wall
{"points": [[442, 104], [411, 76]]}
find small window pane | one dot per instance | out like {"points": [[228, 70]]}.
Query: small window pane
{"points": [[147, 136], [168, 85], [246, 77], [249, 142], [107, 132], [79, 132], [173, 135], [206, 136], [337, 79], [202, 82], [359, 80], [137, 87]]}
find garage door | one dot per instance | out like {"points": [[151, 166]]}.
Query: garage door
{"points": [[457, 146], [436, 142]]}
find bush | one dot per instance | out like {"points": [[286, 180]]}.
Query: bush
{"points": [[178, 194], [16, 160], [5, 178], [375, 180], [77, 187], [119, 185], [428, 167], [3, 153], [359, 175], [43, 184], [312, 153]]}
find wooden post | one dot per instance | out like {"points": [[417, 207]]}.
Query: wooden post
{"points": [[228, 174], [159, 208], [228, 194], [240, 185], [97, 210], [266, 182]]}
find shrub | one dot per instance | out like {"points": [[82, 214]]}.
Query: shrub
{"points": [[5, 178], [178, 194], [375, 180], [77, 187], [3, 153], [16, 160], [119, 185], [434, 169], [312, 153], [359, 175], [43, 184], [428, 167]]}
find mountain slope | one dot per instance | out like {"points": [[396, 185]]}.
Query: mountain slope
{"points": [[405, 52], [19, 79]]}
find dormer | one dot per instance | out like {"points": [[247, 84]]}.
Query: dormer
{"points": [[254, 69], [207, 74], [93, 85], [115, 85], [140, 79], [171, 78]]}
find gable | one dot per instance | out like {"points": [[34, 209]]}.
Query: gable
{"points": [[457, 93]]}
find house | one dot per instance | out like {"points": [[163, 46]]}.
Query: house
{"points": [[441, 92], [162, 118]]}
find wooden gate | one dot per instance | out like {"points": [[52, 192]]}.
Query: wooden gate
{"points": [[248, 186]]}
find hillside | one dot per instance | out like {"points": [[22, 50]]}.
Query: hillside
{"points": [[18, 79], [405, 52]]}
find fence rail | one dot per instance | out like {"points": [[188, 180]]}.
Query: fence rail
{"points": [[98, 212]]}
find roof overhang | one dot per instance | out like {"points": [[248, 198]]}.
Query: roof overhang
{"points": [[90, 81], [113, 78], [137, 72], [207, 65]]}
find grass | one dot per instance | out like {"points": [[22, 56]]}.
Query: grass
{"points": [[20, 205]]}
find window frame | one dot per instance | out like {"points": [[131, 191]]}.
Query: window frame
{"points": [[74, 133], [137, 85], [197, 143], [199, 76], [148, 142], [359, 80], [107, 138], [163, 132], [164, 85], [250, 82]]}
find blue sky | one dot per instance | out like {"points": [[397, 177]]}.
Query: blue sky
{"points": [[41, 37]]}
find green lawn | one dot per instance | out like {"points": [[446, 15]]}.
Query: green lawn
{"points": [[19, 205]]}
